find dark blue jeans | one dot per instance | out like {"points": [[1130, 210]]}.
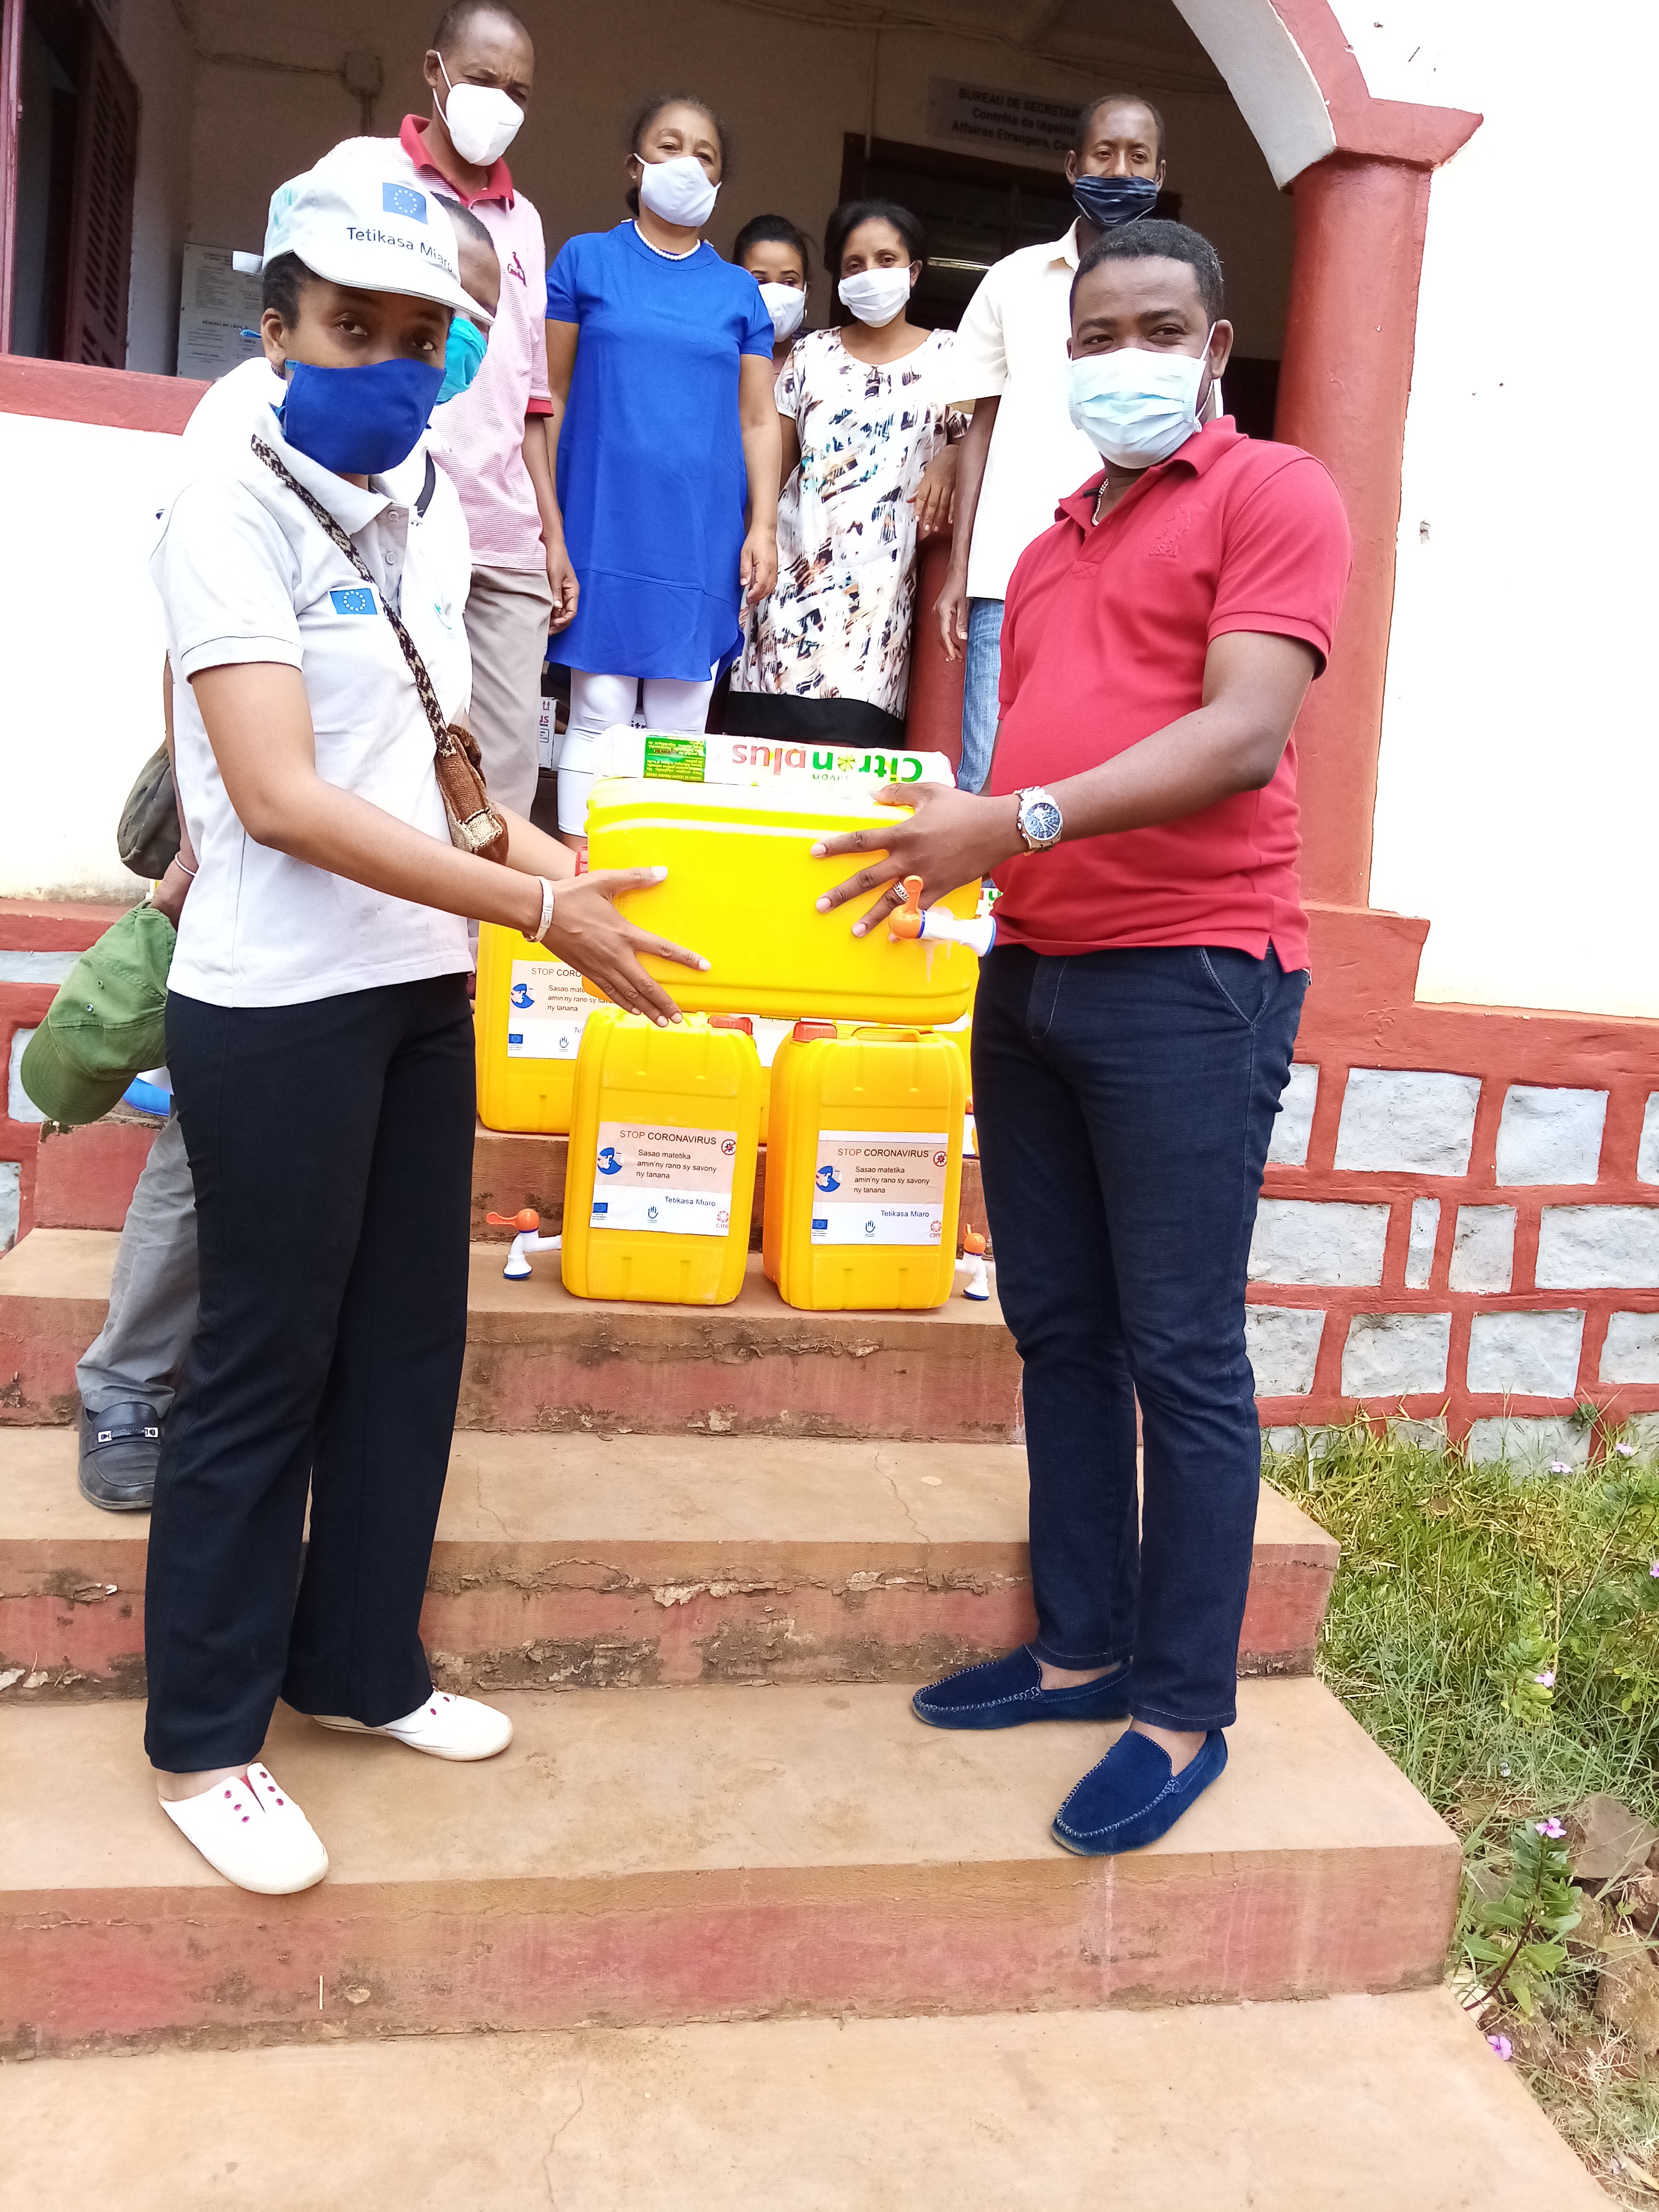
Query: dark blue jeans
{"points": [[1124, 1103]]}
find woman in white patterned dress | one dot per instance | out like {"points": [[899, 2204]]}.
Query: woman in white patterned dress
{"points": [[866, 410]]}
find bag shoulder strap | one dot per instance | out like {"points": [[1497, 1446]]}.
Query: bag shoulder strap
{"points": [[434, 713]]}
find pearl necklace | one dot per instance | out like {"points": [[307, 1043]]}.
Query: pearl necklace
{"points": [[662, 253]]}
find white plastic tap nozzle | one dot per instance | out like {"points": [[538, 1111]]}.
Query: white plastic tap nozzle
{"points": [[978, 1285], [518, 1260], [945, 928]]}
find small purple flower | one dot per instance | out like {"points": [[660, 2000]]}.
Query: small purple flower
{"points": [[1502, 2045], [1552, 1828], [1560, 1466], [1546, 1680], [1653, 1569], [1626, 1452]]}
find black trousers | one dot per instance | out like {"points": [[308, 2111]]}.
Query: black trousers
{"points": [[330, 1146]]}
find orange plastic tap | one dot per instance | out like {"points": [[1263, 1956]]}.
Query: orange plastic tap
{"points": [[526, 1222], [972, 1243], [905, 921]]}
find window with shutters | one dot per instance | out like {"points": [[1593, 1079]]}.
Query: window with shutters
{"points": [[77, 151]]}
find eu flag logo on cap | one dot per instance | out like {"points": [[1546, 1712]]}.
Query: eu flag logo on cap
{"points": [[404, 199], [358, 602]]}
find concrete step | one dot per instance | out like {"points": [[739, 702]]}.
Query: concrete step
{"points": [[84, 1178], [538, 1358], [581, 1562], [709, 1852], [1366, 2103]]}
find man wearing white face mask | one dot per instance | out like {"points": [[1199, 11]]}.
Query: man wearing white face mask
{"points": [[481, 67], [1135, 1020]]}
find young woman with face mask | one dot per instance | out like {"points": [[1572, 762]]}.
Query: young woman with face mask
{"points": [[659, 359], [318, 1033], [775, 255], [864, 411]]}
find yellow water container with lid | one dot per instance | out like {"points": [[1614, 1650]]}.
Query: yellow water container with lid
{"points": [[864, 1170], [659, 1187], [778, 1097], [741, 889], [528, 1019]]}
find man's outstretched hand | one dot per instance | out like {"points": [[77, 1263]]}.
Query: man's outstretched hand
{"points": [[953, 838]]}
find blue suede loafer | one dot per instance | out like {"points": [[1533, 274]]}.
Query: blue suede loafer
{"points": [[1007, 1692], [1133, 1797]]}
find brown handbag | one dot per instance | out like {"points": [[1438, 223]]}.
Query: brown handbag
{"points": [[475, 825]]}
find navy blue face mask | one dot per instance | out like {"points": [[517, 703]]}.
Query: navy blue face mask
{"points": [[1111, 201], [359, 422]]}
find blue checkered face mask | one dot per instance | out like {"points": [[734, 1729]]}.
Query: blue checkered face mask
{"points": [[1137, 407], [464, 357], [359, 422]]}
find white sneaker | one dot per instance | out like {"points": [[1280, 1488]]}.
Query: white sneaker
{"points": [[252, 1832], [445, 1727]]}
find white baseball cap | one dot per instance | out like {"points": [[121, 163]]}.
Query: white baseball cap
{"points": [[352, 225]]}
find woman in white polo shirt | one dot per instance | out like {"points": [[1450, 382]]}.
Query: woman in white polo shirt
{"points": [[319, 1035]]}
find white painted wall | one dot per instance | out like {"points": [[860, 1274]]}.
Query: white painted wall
{"points": [[84, 666], [1520, 774]]}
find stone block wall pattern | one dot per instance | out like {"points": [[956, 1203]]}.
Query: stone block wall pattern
{"points": [[1294, 1127], [1483, 1249], [1550, 1136], [1304, 1241], [1630, 1352], [1413, 1121], [1469, 1229]]}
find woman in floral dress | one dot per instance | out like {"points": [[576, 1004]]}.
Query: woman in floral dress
{"points": [[866, 410]]}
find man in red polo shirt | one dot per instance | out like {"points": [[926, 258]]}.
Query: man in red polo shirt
{"points": [[1135, 1020], [481, 66]]}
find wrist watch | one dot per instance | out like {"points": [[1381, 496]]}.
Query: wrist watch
{"points": [[1039, 820]]}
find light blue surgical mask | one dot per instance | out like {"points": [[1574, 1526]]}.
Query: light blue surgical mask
{"points": [[1137, 407], [463, 357]]}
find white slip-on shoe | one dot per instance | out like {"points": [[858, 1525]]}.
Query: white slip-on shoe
{"points": [[252, 1832], [444, 1727]]}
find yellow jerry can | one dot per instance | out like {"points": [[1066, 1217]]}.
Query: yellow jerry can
{"points": [[741, 889], [864, 1171], [528, 1020], [660, 1182]]}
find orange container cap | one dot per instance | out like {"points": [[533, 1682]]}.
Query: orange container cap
{"points": [[805, 1032], [732, 1022]]}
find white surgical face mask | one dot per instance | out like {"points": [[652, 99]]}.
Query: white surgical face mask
{"points": [[875, 295], [786, 305], [482, 121], [1137, 407], [678, 191]]}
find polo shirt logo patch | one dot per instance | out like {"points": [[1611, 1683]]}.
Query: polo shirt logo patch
{"points": [[515, 268], [403, 199], [1168, 544], [361, 601]]}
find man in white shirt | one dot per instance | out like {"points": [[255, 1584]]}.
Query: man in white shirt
{"points": [[1023, 453], [480, 69]]}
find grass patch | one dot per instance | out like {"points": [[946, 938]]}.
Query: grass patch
{"points": [[1498, 1636]]}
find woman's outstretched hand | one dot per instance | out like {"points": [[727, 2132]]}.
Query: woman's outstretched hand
{"points": [[601, 945], [953, 838], [757, 566]]}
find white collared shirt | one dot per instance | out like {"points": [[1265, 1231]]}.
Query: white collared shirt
{"points": [[246, 574], [1011, 348]]}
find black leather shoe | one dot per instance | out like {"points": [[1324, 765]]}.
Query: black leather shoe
{"points": [[119, 1448]]}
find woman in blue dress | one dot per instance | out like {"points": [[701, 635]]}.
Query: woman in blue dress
{"points": [[659, 362]]}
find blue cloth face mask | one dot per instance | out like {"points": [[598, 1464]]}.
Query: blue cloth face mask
{"points": [[359, 422], [463, 357], [1137, 407], [1112, 201]]}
